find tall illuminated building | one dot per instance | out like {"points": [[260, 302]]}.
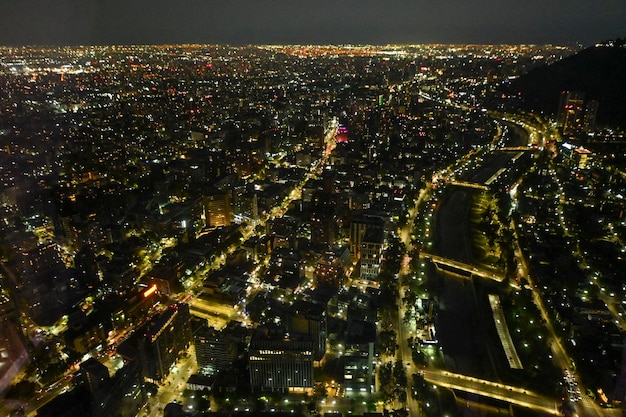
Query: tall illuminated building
{"points": [[591, 111], [358, 227], [214, 351], [164, 339], [371, 254], [160, 342], [571, 112], [218, 210], [280, 361]]}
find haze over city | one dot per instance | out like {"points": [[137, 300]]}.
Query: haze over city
{"points": [[89, 22]]}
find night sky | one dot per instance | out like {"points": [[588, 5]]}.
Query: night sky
{"points": [[88, 22]]}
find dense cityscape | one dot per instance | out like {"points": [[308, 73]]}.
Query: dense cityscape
{"points": [[204, 230]]}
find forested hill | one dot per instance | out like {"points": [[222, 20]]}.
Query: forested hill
{"points": [[598, 71]]}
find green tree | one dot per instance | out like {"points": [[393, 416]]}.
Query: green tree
{"points": [[399, 374], [385, 379], [410, 298], [419, 384], [419, 358], [388, 344]]}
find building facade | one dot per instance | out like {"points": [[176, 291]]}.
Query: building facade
{"points": [[164, 339], [279, 361]]}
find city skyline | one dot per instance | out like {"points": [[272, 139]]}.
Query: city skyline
{"points": [[71, 22], [199, 230]]}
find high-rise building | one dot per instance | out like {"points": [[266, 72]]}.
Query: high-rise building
{"points": [[571, 112], [328, 272], [94, 375], [99, 395], [359, 356], [13, 353], [323, 226], [127, 393], [163, 340], [591, 111], [40, 279], [280, 361], [330, 268], [371, 253], [357, 230], [358, 226], [216, 209], [581, 157], [214, 352], [309, 318]]}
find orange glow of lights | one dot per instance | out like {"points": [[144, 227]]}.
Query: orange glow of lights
{"points": [[147, 293]]}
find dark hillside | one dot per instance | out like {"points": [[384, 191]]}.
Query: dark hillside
{"points": [[599, 71]]}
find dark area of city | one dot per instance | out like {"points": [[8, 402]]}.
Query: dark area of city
{"points": [[278, 230]]}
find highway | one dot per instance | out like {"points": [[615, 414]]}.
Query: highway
{"points": [[464, 330], [492, 389], [461, 266], [471, 344]]}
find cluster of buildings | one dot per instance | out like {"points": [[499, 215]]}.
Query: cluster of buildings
{"points": [[576, 116], [158, 198]]}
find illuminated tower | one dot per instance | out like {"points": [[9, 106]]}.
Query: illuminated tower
{"points": [[358, 226], [571, 112], [591, 110], [218, 211], [214, 352], [371, 254], [165, 337]]}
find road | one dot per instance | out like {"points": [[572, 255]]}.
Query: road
{"points": [[64, 384], [463, 327], [586, 407], [172, 387], [503, 332], [492, 389], [404, 353], [30, 407], [461, 266]]}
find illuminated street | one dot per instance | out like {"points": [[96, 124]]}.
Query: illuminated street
{"points": [[408, 229]]}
